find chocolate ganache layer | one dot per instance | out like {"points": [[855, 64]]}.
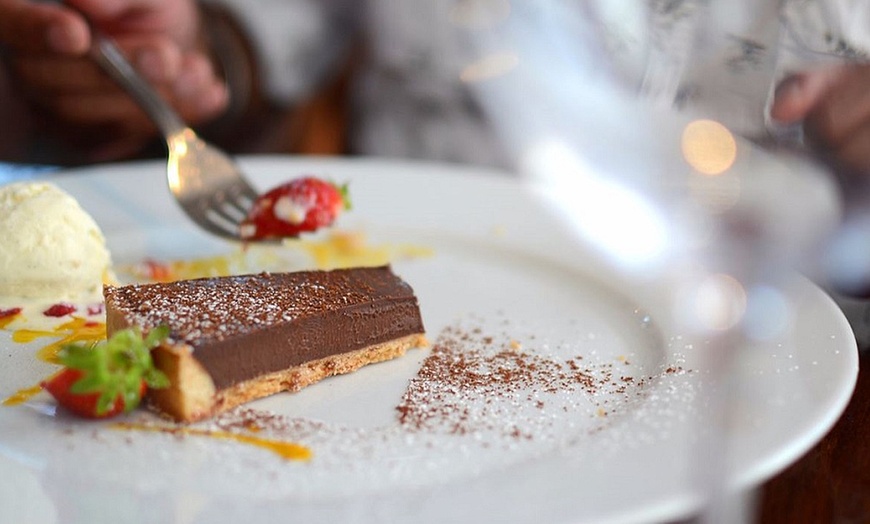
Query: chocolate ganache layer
{"points": [[243, 327]]}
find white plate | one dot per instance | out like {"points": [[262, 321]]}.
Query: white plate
{"points": [[501, 264]]}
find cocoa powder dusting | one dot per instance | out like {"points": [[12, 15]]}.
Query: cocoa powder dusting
{"points": [[475, 383]]}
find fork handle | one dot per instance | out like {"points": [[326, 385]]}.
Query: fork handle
{"points": [[113, 62]]}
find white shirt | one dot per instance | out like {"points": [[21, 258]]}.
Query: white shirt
{"points": [[407, 100]]}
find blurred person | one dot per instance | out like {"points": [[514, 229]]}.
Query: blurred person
{"points": [[64, 95], [60, 108], [229, 66]]}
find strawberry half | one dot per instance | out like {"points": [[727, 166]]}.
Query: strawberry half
{"points": [[108, 378], [302, 205], [61, 387]]}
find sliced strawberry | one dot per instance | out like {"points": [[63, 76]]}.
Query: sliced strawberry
{"points": [[82, 404], [302, 205], [103, 380]]}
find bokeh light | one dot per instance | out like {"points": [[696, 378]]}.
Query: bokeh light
{"points": [[709, 147]]}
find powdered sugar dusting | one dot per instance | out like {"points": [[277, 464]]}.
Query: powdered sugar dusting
{"points": [[211, 309]]}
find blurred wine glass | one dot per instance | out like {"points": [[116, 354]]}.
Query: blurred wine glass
{"points": [[621, 120]]}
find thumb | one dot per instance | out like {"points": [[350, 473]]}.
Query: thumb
{"points": [[157, 58], [798, 94], [99, 10], [37, 27]]}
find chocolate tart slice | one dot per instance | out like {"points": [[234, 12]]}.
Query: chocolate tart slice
{"points": [[236, 339]]}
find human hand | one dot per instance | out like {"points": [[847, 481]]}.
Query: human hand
{"points": [[46, 51], [834, 106]]}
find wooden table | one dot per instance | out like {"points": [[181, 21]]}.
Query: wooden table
{"points": [[831, 483]]}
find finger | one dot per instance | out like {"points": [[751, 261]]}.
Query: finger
{"points": [[50, 75], [158, 60], [99, 109], [853, 156], [797, 94], [42, 27], [843, 110], [198, 93], [97, 10], [100, 102], [172, 18]]}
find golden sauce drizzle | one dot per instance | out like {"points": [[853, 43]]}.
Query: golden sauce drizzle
{"points": [[343, 249], [22, 395], [5, 321], [339, 249], [157, 271], [76, 330], [203, 267], [286, 450]]}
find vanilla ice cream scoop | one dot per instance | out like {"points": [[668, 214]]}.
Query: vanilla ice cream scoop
{"points": [[49, 246]]}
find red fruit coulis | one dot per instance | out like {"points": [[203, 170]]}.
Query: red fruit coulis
{"points": [[59, 310]]}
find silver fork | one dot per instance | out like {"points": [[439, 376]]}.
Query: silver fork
{"points": [[207, 184]]}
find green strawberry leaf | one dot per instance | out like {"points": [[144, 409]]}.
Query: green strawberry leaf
{"points": [[156, 379], [117, 367], [344, 191], [89, 383], [105, 402], [156, 336]]}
